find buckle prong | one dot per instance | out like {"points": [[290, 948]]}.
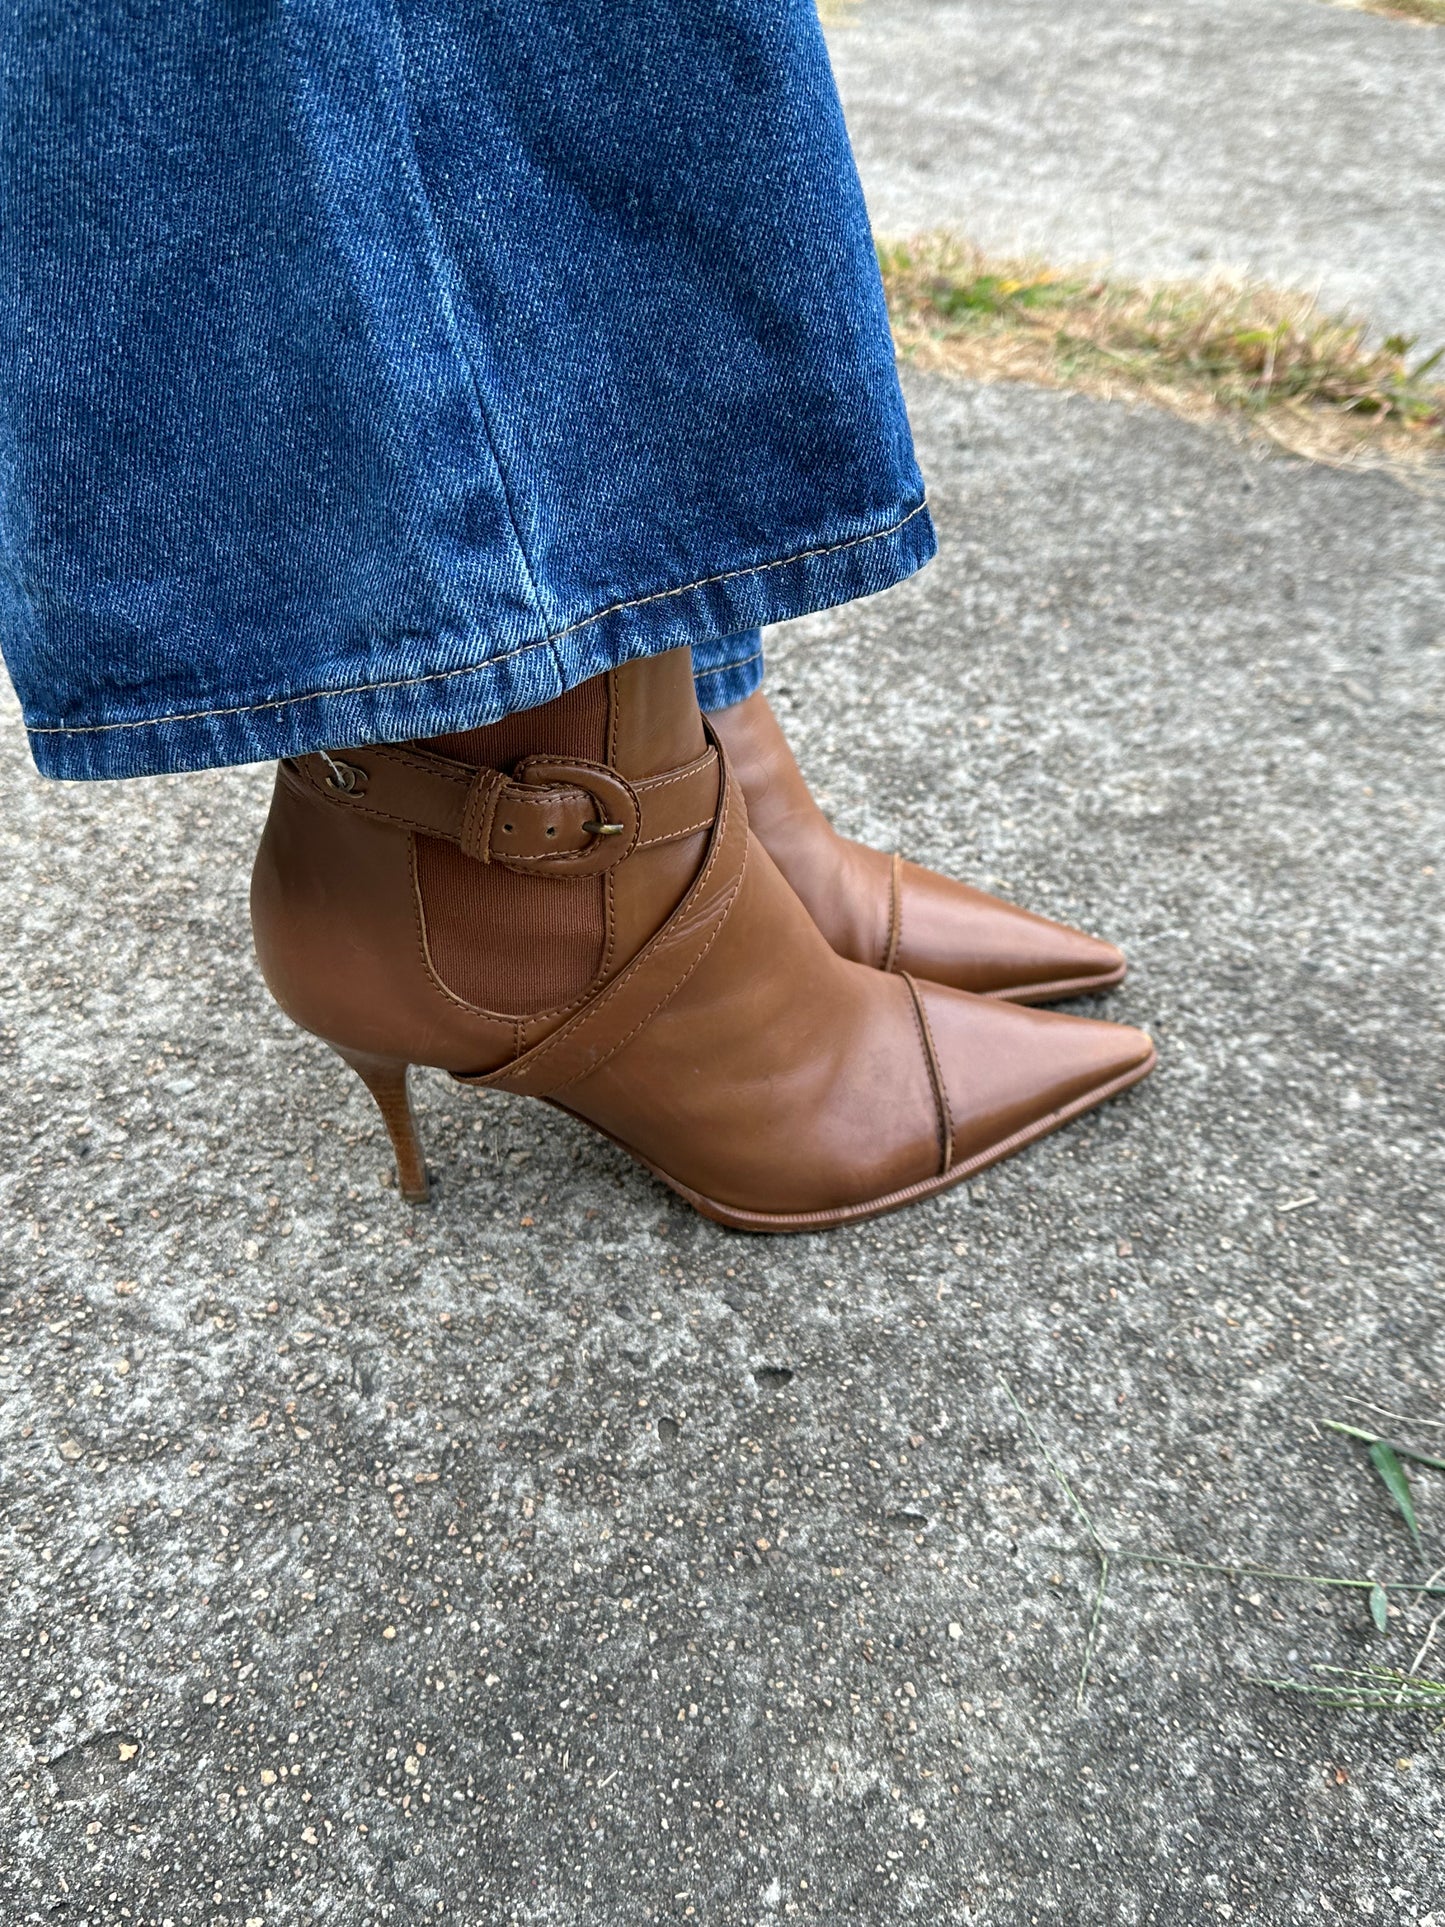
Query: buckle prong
{"points": [[612, 825]]}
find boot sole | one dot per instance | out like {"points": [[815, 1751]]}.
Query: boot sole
{"points": [[785, 1221], [1055, 993]]}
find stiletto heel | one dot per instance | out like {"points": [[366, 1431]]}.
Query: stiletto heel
{"points": [[385, 1078]]}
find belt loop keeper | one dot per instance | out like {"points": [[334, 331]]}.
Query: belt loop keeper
{"points": [[478, 813]]}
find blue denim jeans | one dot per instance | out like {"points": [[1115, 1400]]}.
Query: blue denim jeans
{"points": [[372, 368], [727, 669]]}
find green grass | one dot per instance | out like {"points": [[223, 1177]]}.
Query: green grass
{"points": [[1314, 381], [1370, 1688]]}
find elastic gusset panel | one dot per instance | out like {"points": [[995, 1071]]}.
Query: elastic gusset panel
{"points": [[518, 944]]}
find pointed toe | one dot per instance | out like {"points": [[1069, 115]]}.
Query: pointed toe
{"points": [[1060, 963], [1080, 962], [892, 914], [1009, 1075], [1135, 1049], [952, 934]]}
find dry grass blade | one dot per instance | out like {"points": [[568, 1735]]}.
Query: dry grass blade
{"points": [[1237, 1569], [1430, 12], [1311, 381], [1372, 1688], [1101, 1551], [1415, 1420]]}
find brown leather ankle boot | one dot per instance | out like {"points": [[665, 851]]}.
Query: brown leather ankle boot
{"points": [[892, 914], [569, 904]]}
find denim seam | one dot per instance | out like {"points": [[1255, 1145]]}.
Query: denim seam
{"points": [[721, 669], [475, 668]]}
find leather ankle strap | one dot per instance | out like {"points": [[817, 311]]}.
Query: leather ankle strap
{"points": [[551, 816]]}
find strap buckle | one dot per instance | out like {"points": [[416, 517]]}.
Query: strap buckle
{"points": [[552, 818]]}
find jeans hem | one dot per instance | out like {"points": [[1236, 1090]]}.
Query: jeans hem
{"points": [[446, 698], [729, 682]]}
